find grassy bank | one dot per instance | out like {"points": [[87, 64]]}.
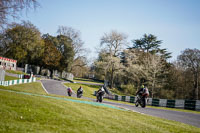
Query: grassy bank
{"points": [[88, 90], [34, 87], [7, 78], [83, 80], [15, 72], [25, 113]]}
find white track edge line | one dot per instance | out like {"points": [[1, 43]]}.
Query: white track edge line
{"points": [[44, 88]]}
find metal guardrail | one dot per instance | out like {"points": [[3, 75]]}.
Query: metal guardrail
{"points": [[178, 103]]}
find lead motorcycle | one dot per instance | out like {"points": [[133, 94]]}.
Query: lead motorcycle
{"points": [[141, 100]]}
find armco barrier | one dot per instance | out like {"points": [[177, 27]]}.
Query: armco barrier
{"points": [[119, 98], [127, 99], [190, 104], [170, 103], [197, 104], [179, 103], [116, 97], [18, 81], [124, 98], [183, 104], [132, 99], [163, 102], [155, 102], [149, 101]]}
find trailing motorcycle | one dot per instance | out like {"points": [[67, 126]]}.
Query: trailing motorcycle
{"points": [[141, 100], [69, 91]]}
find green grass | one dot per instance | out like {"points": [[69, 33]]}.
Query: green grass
{"points": [[83, 80], [7, 78], [25, 113], [88, 90], [15, 72], [34, 87], [174, 109], [117, 92]]}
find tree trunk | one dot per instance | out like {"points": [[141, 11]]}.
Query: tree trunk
{"points": [[51, 73], [40, 71], [153, 85], [112, 78], [196, 85]]}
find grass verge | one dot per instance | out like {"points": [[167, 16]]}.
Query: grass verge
{"points": [[89, 91], [34, 87], [7, 78], [15, 72], [25, 113], [87, 81]]}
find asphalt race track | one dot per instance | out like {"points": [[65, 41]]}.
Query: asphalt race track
{"points": [[56, 87]]}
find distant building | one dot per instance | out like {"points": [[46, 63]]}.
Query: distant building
{"points": [[8, 64]]}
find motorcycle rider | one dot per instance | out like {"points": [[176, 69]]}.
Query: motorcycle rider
{"points": [[101, 91], [143, 91], [69, 91], [79, 91], [141, 96]]}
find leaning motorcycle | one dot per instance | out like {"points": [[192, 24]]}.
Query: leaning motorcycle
{"points": [[79, 94], [69, 92], [100, 96], [141, 100]]}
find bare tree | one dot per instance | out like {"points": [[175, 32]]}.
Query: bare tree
{"points": [[113, 43], [155, 67], [79, 61], [190, 60], [75, 35], [134, 68], [11, 8]]}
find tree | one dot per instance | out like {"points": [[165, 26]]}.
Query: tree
{"points": [[150, 44], [11, 8], [80, 68], [77, 45], [134, 69], [153, 60], [75, 36], [51, 56], [190, 60], [113, 42], [64, 45], [21, 42], [112, 45], [108, 66], [155, 70]]}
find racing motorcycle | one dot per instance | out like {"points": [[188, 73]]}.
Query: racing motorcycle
{"points": [[79, 93], [141, 100], [100, 96], [69, 91]]}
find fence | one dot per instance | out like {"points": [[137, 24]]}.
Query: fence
{"points": [[18, 81], [178, 103]]}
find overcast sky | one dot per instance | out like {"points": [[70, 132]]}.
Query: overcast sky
{"points": [[176, 22]]}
